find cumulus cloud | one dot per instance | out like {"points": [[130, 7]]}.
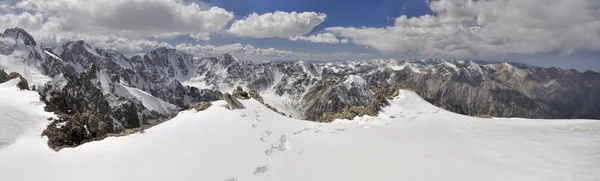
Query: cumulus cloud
{"points": [[319, 38], [279, 24], [132, 18], [211, 50], [129, 47], [124, 25], [487, 28]]}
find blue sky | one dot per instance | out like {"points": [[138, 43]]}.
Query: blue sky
{"points": [[347, 13], [535, 32]]}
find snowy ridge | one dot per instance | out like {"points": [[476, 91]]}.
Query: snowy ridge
{"points": [[421, 142], [18, 116]]}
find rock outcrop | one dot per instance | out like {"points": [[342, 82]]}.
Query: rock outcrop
{"points": [[23, 85], [380, 100], [253, 93], [232, 102], [71, 130], [3, 76], [202, 106], [239, 93]]}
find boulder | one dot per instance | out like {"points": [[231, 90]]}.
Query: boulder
{"points": [[239, 93], [232, 102]]}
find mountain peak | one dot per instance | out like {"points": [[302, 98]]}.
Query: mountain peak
{"points": [[227, 59], [19, 33]]}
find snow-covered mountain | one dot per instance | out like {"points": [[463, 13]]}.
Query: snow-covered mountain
{"points": [[113, 93], [409, 140]]}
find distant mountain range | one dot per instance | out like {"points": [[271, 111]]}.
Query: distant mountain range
{"points": [[78, 80]]}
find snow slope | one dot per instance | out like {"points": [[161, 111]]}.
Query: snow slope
{"points": [[20, 110], [421, 142], [151, 102], [25, 67]]}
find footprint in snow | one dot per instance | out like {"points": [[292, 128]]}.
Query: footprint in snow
{"points": [[261, 169], [339, 130], [284, 143], [269, 152], [243, 115], [254, 126], [301, 131], [264, 135], [231, 179]]}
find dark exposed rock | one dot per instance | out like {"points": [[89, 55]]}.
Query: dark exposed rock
{"points": [[3, 76], [23, 85], [372, 109], [253, 93], [232, 102], [75, 129]]}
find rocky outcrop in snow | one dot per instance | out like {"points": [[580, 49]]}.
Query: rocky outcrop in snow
{"points": [[23, 85], [232, 102], [76, 79]]}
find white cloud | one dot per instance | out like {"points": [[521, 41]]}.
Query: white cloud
{"points": [[334, 56], [129, 47], [23, 20], [278, 24], [249, 52], [211, 50], [319, 38], [132, 18], [487, 28], [344, 41], [117, 24]]}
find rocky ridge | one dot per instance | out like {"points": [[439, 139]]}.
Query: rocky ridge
{"points": [[90, 88]]}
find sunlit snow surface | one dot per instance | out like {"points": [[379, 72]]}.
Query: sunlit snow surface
{"points": [[20, 111], [421, 142]]}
